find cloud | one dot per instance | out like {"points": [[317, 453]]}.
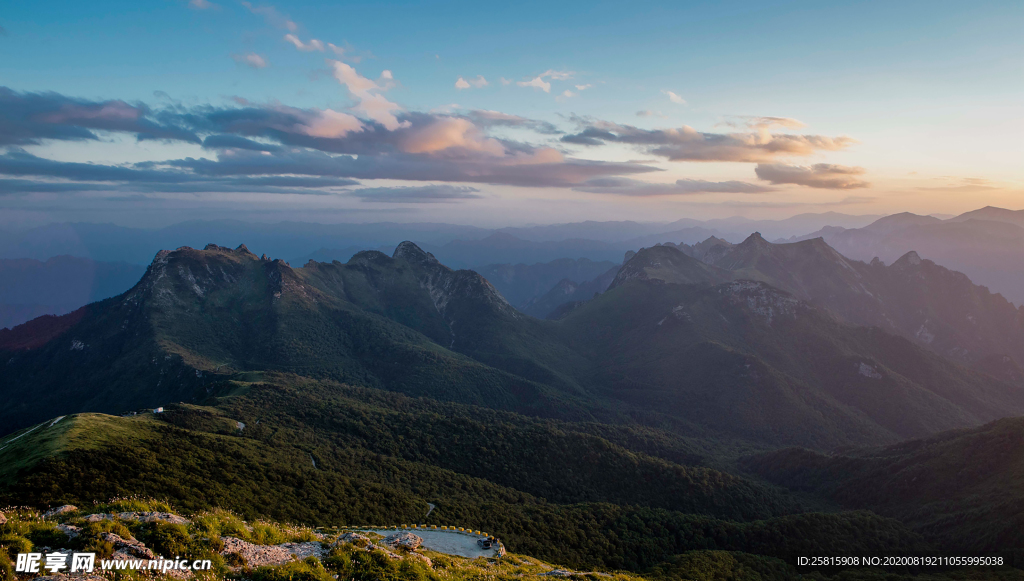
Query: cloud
{"points": [[273, 17], [430, 194], [762, 122], [847, 201], [631, 187], [539, 168], [583, 87], [202, 4], [312, 45], [250, 140], [32, 118], [371, 101], [649, 113], [52, 176], [251, 60], [505, 81], [486, 118], [674, 97], [558, 75], [237, 142], [962, 185], [819, 175], [567, 94], [478, 82], [538, 83], [687, 144]]}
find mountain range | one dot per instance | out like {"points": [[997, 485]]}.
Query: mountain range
{"points": [[199, 313], [987, 245], [31, 288], [748, 397]]}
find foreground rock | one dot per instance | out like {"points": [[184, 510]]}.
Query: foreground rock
{"points": [[59, 511], [262, 555], [70, 530], [129, 548], [140, 517], [352, 538], [403, 540]]}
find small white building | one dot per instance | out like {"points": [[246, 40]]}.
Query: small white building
{"points": [[158, 410]]}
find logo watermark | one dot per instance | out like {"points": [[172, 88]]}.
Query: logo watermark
{"points": [[86, 563]]}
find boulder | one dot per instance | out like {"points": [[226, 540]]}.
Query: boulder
{"points": [[403, 540], [59, 511], [259, 555], [70, 530], [354, 538], [155, 517], [140, 517], [130, 547]]}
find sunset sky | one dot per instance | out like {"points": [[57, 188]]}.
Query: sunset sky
{"points": [[147, 113]]}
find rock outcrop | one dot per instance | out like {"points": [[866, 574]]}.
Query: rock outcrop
{"points": [[403, 540], [129, 548], [59, 511], [260, 555], [140, 517]]}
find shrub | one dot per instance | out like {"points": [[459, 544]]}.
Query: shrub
{"points": [[46, 535], [309, 569], [169, 540], [14, 544]]}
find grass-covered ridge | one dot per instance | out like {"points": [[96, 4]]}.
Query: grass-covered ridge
{"points": [[558, 491], [258, 550]]}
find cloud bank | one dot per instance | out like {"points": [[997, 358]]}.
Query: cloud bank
{"points": [[819, 175], [630, 187], [687, 144], [303, 150]]}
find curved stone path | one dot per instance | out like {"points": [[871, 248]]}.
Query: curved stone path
{"points": [[449, 542]]}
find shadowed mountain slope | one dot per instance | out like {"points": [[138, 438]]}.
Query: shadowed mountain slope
{"points": [[672, 343], [935, 307], [961, 488]]}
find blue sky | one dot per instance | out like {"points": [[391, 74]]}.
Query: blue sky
{"points": [[921, 104]]}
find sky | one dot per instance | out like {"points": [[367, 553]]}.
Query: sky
{"points": [[149, 113]]}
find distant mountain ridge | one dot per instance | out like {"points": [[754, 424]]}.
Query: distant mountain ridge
{"points": [[614, 435], [669, 328], [935, 307], [31, 288], [986, 244], [292, 240]]}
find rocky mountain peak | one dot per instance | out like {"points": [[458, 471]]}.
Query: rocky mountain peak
{"points": [[409, 252], [909, 259], [244, 251], [755, 240]]}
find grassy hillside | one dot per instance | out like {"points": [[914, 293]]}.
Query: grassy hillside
{"points": [[229, 542], [961, 489], [328, 455]]}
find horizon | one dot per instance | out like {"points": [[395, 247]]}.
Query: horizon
{"points": [[457, 114]]}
